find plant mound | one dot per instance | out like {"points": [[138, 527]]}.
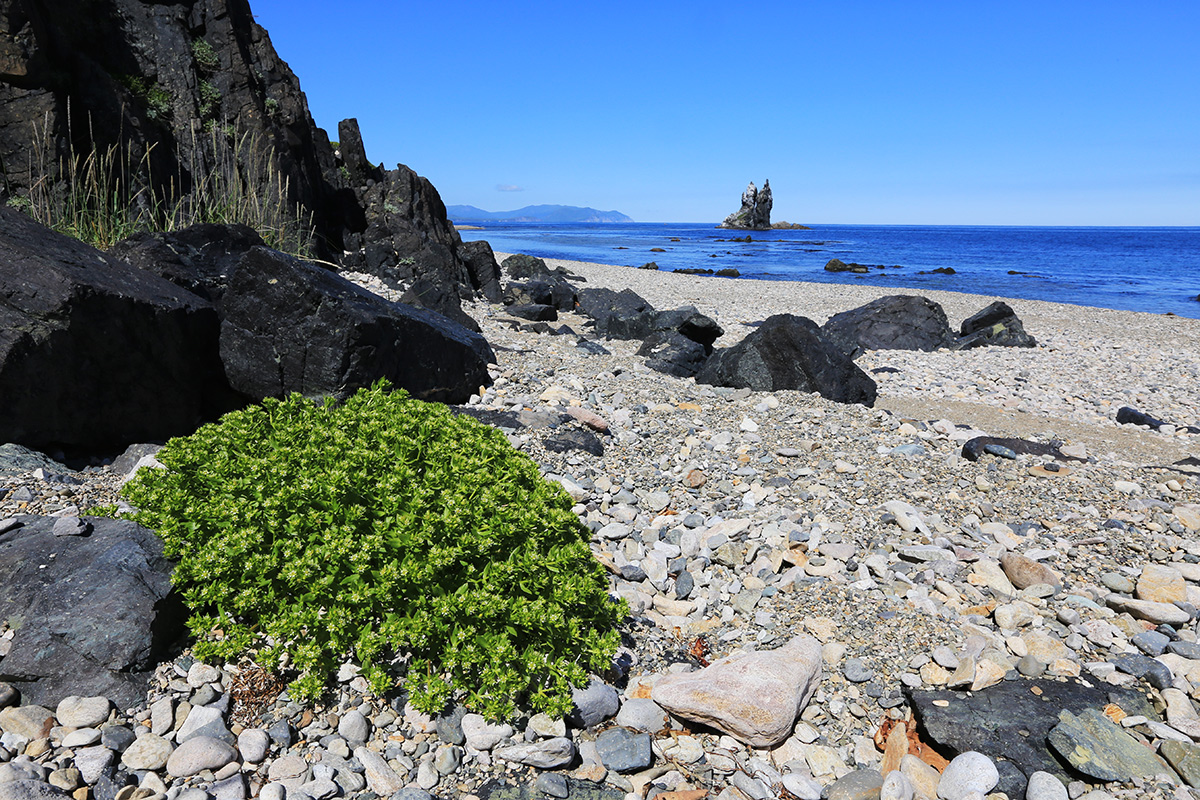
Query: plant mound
{"points": [[383, 525]]}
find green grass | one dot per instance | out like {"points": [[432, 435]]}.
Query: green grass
{"points": [[105, 195]]}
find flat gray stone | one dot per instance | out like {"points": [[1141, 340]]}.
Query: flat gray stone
{"points": [[92, 762], [381, 778], [623, 750], [548, 754], [82, 712], [861, 784], [642, 714], [253, 744], [198, 754], [1044, 786], [594, 703], [1092, 744], [354, 727], [1185, 758]]}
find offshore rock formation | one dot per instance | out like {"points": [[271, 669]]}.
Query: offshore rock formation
{"points": [[755, 213]]}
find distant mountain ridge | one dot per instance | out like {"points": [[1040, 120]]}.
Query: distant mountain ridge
{"points": [[535, 214]]}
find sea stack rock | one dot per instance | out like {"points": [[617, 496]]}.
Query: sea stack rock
{"points": [[755, 213]]}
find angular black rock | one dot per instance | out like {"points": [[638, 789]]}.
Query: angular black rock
{"points": [[94, 619], [998, 325], [895, 322], [1011, 721], [672, 353], [95, 352], [1127, 415], [974, 448], [289, 326], [789, 352], [482, 268], [534, 312]]}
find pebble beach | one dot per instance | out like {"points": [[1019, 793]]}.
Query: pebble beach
{"points": [[737, 523]]}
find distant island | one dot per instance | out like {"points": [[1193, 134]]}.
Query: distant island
{"points": [[535, 214]]}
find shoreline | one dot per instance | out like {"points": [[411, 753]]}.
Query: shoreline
{"points": [[1090, 361]]}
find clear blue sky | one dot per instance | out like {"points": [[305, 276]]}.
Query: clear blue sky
{"points": [[966, 112]]}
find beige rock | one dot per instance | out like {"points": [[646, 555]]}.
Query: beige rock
{"points": [[31, 722], [1149, 610], [1024, 572], [934, 675], [987, 673], [1064, 668], [823, 628], [1161, 584], [992, 576], [754, 697], [823, 760], [1181, 714], [1188, 516], [1044, 647], [894, 750], [923, 777]]}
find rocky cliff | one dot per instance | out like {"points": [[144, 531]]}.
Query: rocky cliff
{"points": [[195, 86], [755, 213]]}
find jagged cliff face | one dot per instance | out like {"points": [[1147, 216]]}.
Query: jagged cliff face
{"points": [[185, 80], [164, 76]]}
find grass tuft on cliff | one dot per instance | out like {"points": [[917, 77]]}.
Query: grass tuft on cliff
{"points": [[105, 195], [384, 525]]}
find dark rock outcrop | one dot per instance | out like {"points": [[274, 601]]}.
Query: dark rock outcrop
{"points": [[837, 265], [628, 315], [162, 78], [755, 213], [532, 281], [895, 322], [789, 352], [95, 618], [997, 324], [535, 312], [289, 326], [617, 315], [482, 268], [94, 352], [196, 87], [1012, 721], [199, 258], [673, 353], [973, 449], [1128, 415], [221, 262]]}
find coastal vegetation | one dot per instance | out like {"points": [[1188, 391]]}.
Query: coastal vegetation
{"points": [[102, 195], [306, 532]]}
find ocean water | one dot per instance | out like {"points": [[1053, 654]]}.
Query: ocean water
{"points": [[1137, 269]]}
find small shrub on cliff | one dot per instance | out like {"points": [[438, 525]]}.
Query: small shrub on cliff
{"points": [[382, 525]]}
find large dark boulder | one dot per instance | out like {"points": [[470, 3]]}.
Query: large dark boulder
{"points": [[673, 353], [290, 326], [691, 324], [789, 352], [92, 614], [617, 315], [997, 324], [94, 352], [895, 322], [482, 268], [628, 315], [199, 258], [529, 274]]}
